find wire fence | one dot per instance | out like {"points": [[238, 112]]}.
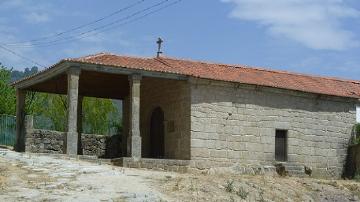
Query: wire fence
{"points": [[7, 130], [106, 128]]}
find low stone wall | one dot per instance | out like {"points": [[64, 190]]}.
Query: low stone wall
{"points": [[46, 141], [101, 145], [93, 145]]}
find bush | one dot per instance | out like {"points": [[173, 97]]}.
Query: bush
{"points": [[357, 129], [242, 193], [229, 187], [357, 176], [356, 133]]}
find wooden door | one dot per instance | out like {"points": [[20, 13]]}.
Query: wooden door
{"points": [[157, 134]]}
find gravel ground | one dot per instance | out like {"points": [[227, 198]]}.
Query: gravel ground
{"points": [[31, 177], [28, 177]]}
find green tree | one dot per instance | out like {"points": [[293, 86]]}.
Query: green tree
{"points": [[8, 93], [50, 111], [16, 75], [99, 115], [8, 96]]}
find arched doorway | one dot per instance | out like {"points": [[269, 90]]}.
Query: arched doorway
{"points": [[157, 145]]}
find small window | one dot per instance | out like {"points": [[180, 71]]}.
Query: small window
{"points": [[357, 114], [281, 145]]}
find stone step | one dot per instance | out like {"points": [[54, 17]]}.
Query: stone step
{"points": [[294, 169]]}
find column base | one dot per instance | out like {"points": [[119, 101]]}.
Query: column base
{"points": [[72, 143], [134, 147], [19, 145]]}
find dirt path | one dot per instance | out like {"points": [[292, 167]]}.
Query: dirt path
{"points": [[25, 177], [30, 177]]}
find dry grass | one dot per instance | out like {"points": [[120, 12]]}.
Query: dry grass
{"points": [[191, 187]]}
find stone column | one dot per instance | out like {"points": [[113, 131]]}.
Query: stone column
{"points": [[79, 124], [125, 126], [20, 121], [134, 138], [72, 120]]}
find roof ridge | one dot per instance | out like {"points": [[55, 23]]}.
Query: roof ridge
{"points": [[267, 69], [90, 55], [120, 55]]}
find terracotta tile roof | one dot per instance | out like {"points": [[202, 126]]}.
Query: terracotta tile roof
{"points": [[231, 73]]}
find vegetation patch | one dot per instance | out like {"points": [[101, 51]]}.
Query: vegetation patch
{"points": [[242, 193], [357, 129]]}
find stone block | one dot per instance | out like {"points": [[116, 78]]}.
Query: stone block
{"points": [[200, 152], [196, 143], [218, 153]]}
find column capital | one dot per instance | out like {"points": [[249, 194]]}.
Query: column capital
{"points": [[20, 92], [135, 77], [74, 70]]}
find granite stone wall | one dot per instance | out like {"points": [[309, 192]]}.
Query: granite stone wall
{"points": [[101, 145], [173, 97], [45, 141], [235, 124]]}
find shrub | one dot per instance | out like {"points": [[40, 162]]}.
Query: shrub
{"points": [[261, 196], [357, 129], [357, 176], [242, 193], [356, 140], [192, 187], [229, 187]]}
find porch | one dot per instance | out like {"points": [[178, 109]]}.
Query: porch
{"points": [[155, 107]]}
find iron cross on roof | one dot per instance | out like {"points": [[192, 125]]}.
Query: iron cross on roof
{"points": [[159, 42]]}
